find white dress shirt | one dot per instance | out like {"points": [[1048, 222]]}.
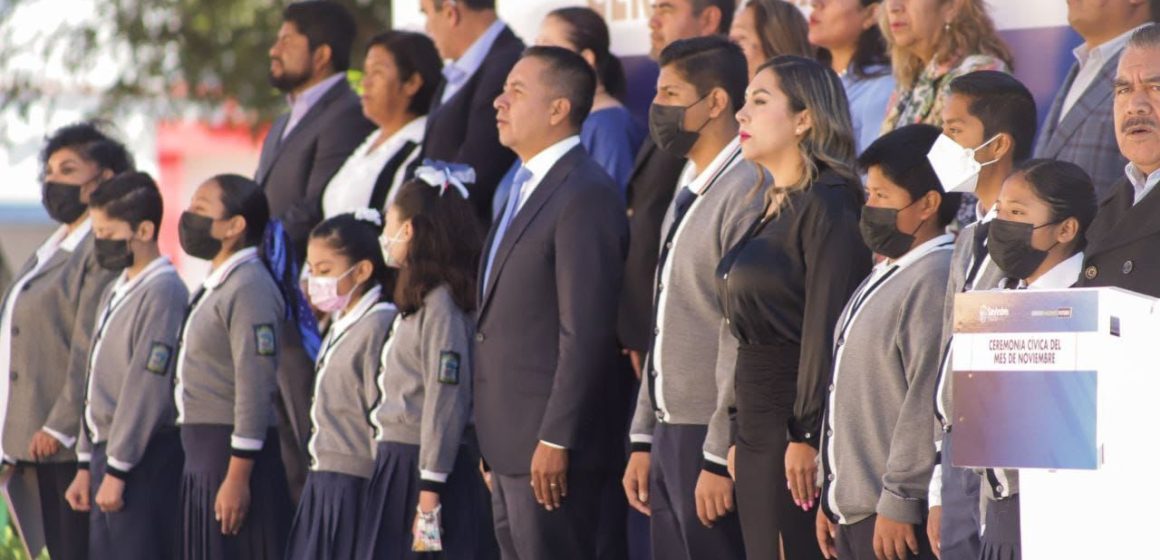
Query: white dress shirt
{"points": [[302, 103], [1140, 184], [458, 72], [354, 183]]}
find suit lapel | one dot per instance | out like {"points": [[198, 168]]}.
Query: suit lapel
{"points": [[270, 146], [1047, 134], [1096, 98], [642, 156], [332, 95], [1124, 223], [524, 218]]}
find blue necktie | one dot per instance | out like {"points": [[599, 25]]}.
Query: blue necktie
{"points": [[509, 213]]}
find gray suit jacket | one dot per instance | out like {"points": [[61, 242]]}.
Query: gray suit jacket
{"points": [[294, 171], [52, 324], [545, 346], [1087, 135]]}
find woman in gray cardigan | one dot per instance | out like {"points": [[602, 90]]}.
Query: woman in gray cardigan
{"points": [[348, 280], [46, 320], [426, 462]]}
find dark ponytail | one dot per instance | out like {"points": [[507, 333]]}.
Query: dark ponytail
{"points": [[243, 197], [1066, 188], [357, 238], [588, 31]]}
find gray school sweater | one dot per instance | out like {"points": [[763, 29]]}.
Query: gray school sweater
{"points": [[694, 352], [128, 383], [228, 353], [877, 456], [426, 384], [342, 438]]}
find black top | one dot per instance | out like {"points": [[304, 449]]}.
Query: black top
{"points": [[788, 279]]}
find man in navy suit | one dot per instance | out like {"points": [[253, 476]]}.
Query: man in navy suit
{"points": [[461, 123], [546, 342]]}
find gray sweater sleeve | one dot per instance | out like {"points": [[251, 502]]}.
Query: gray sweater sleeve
{"points": [[911, 458], [644, 418], [92, 280], [255, 316], [447, 382]]}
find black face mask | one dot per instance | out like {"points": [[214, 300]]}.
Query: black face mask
{"points": [[666, 125], [881, 234], [113, 254], [194, 232], [1009, 245], [62, 201]]}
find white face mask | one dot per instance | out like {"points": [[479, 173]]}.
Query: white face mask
{"points": [[387, 243], [956, 166]]}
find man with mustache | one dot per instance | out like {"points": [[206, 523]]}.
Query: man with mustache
{"points": [[1123, 238]]}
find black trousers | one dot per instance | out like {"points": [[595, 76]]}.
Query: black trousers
{"points": [[766, 386], [856, 541], [66, 532], [676, 531], [527, 531]]}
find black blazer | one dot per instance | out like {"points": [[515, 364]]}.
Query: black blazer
{"points": [[1122, 243], [295, 171], [545, 343], [650, 191], [463, 129]]}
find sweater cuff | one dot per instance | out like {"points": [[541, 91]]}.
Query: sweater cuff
{"points": [[116, 473], [64, 440], [431, 481], [900, 509], [640, 442], [714, 468], [934, 494], [245, 448], [117, 468]]}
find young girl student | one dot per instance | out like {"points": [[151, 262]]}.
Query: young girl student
{"points": [[426, 464], [1037, 240], [235, 501], [349, 280], [129, 451]]}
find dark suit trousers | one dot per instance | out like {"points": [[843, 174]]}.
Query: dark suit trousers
{"points": [[527, 531], [677, 533], [856, 541], [66, 532], [959, 532]]}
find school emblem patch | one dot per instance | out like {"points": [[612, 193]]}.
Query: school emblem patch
{"points": [[449, 368], [158, 362], [264, 340]]}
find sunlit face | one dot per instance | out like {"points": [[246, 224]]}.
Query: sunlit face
{"points": [[528, 108], [916, 25], [440, 25], [384, 95], [674, 91], [964, 128], [291, 61], [67, 167], [105, 227], [323, 261], [1137, 107], [396, 236], [769, 126], [1019, 203], [881, 192], [207, 201], [671, 20], [837, 24], [744, 33]]}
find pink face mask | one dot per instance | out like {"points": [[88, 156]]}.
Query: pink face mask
{"points": [[324, 292]]}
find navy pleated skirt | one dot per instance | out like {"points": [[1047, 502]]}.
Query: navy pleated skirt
{"points": [[146, 526], [393, 495], [327, 519], [267, 523], [1001, 538]]}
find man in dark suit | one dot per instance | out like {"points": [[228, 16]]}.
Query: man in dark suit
{"points": [[545, 343], [654, 177], [303, 150], [1079, 127], [461, 123], [1122, 240]]}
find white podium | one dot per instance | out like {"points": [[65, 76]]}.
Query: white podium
{"points": [[1064, 385]]}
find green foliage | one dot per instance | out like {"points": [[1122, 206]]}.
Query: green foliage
{"points": [[178, 55]]}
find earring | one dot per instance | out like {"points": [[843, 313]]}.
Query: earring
{"points": [[947, 27]]}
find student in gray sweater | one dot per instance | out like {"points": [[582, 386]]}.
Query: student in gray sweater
{"points": [[235, 501], [347, 279], [128, 441], [680, 431], [876, 454], [427, 461]]}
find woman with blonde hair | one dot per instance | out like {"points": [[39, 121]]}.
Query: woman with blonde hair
{"points": [[768, 28], [782, 288], [933, 42]]}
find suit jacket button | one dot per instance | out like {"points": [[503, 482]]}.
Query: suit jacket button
{"points": [[15, 331], [1091, 272], [13, 376], [1127, 268], [479, 337]]}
